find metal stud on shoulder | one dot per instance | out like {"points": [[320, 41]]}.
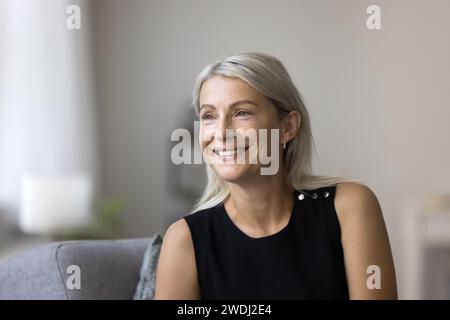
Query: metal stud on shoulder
{"points": [[301, 196], [326, 194], [314, 195]]}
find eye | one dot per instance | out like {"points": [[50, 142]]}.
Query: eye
{"points": [[243, 113], [207, 116]]}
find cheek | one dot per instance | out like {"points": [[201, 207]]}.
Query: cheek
{"points": [[263, 121], [267, 137], [205, 134]]}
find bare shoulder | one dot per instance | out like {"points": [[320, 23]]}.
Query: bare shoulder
{"points": [[355, 200], [178, 232], [176, 276], [178, 240], [365, 242]]}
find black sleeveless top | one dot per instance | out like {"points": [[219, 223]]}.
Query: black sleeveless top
{"points": [[302, 261]]}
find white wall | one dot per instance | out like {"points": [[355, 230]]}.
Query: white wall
{"points": [[379, 100]]}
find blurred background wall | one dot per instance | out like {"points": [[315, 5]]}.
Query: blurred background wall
{"points": [[379, 100]]}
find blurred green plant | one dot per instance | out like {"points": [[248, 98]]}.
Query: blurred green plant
{"points": [[106, 219]]}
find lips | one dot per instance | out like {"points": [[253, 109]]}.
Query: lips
{"points": [[228, 152]]}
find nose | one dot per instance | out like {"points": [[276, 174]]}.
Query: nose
{"points": [[221, 133]]}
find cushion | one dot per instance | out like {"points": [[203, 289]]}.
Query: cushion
{"points": [[145, 289]]}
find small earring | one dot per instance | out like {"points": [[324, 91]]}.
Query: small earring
{"points": [[284, 144]]}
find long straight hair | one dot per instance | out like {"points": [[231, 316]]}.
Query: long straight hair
{"points": [[267, 75]]}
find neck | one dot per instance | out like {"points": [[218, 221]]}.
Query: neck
{"points": [[263, 202]]}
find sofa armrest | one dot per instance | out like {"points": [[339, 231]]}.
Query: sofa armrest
{"points": [[108, 269]]}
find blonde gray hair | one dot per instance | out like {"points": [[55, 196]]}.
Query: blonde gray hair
{"points": [[267, 75]]}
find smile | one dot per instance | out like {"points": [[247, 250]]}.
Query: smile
{"points": [[229, 152]]}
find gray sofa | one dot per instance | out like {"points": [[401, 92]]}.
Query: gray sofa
{"points": [[106, 269]]}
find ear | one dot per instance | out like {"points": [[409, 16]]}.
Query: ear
{"points": [[290, 126]]}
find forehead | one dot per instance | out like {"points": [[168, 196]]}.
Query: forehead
{"points": [[219, 89]]}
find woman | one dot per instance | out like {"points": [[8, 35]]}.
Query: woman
{"points": [[288, 235]]}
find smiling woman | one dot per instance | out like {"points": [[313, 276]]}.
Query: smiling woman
{"points": [[285, 235]]}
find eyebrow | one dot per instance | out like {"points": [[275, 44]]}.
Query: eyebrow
{"points": [[234, 104]]}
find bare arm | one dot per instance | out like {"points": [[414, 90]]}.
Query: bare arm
{"points": [[176, 275], [365, 243]]}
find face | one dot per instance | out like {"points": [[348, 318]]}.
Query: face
{"points": [[228, 103]]}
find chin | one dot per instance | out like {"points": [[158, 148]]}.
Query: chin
{"points": [[232, 172]]}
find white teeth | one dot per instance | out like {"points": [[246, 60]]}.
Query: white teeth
{"points": [[227, 153]]}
